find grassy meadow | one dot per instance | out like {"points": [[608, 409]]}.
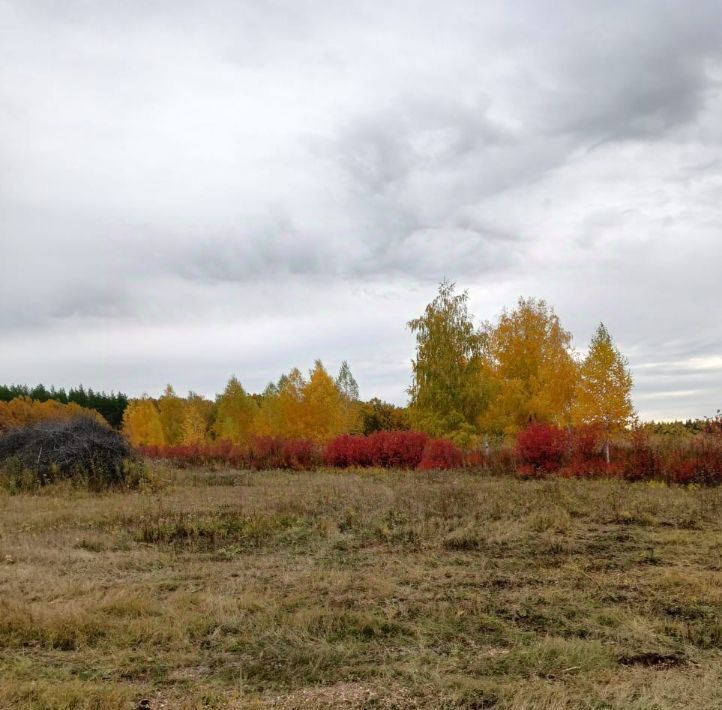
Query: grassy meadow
{"points": [[367, 589]]}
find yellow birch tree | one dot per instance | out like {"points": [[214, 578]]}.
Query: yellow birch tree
{"points": [[235, 413], [531, 363], [141, 423], [603, 393]]}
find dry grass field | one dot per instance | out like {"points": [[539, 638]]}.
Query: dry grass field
{"points": [[367, 590]]}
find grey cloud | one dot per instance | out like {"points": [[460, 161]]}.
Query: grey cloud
{"points": [[281, 168], [383, 151], [637, 71]]}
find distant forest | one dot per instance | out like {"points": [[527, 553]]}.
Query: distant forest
{"points": [[110, 406]]}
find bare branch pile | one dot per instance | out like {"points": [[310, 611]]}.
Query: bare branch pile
{"points": [[56, 449]]}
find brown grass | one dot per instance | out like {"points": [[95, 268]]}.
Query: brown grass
{"points": [[370, 589]]}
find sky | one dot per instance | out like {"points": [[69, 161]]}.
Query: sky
{"points": [[191, 190]]}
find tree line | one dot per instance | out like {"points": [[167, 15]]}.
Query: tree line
{"points": [[110, 406], [479, 382], [470, 383], [315, 407]]}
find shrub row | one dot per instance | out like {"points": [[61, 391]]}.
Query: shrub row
{"points": [[263, 452], [383, 449], [542, 449]]}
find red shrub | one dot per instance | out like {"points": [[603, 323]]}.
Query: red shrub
{"points": [[700, 462], [263, 452], [268, 452], [342, 451], [475, 459], [403, 449], [221, 450], [441, 454], [386, 449], [586, 443], [639, 460], [709, 457], [299, 455], [151, 452], [526, 470], [591, 468], [541, 447], [680, 469]]}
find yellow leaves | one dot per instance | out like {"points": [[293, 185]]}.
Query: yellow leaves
{"points": [[21, 411], [533, 370], [295, 408], [323, 407], [603, 392], [168, 421], [171, 409], [311, 409], [142, 424], [194, 424], [235, 414], [291, 390]]}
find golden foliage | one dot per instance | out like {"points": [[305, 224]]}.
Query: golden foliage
{"points": [[171, 409], [197, 415], [534, 373], [603, 392], [22, 411], [235, 414], [142, 423], [324, 413]]}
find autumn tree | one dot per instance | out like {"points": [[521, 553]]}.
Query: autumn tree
{"points": [[171, 409], [603, 391], [533, 370], [376, 415], [23, 410], [290, 412], [449, 390], [111, 406], [268, 417], [346, 383], [348, 387], [197, 416], [323, 407], [280, 412], [235, 413], [141, 423]]}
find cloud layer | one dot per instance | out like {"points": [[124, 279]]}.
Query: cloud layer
{"points": [[189, 191]]}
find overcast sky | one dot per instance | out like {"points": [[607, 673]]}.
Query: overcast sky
{"points": [[194, 189]]}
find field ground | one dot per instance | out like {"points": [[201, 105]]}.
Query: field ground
{"points": [[376, 589]]}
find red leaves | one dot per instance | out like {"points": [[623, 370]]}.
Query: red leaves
{"points": [[636, 456], [701, 463], [266, 452], [384, 449], [263, 452], [441, 454], [393, 449], [541, 449], [347, 450]]}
